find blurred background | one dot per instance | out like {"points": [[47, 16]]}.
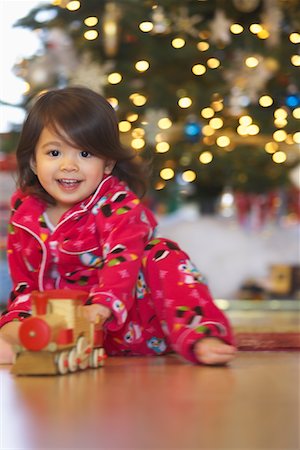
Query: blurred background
{"points": [[207, 88]]}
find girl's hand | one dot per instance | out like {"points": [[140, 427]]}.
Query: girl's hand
{"points": [[95, 313], [7, 354], [213, 351]]}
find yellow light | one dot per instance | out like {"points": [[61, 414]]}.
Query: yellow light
{"points": [[138, 143], [263, 34], [188, 176], [245, 120], [280, 123], [280, 113], [26, 87], [162, 147], [242, 130], [138, 133], [114, 78], [236, 28], [178, 43], [139, 100], [90, 35], [146, 27], [213, 63], [279, 157], [91, 21], [124, 126], [206, 157], [207, 130], [255, 28], [164, 123], [198, 69], [253, 129], [296, 113], [132, 117], [160, 185], [295, 38], [73, 6], [265, 101], [203, 46], [295, 60], [185, 102], [223, 141], [251, 62], [142, 66], [207, 113], [216, 123], [113, 101], [296, 137], [279, 135], [289, 139], [217, 106], [271, 147], [167, 173]]}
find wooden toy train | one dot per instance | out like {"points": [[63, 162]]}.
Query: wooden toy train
{"points": [[57, 338]]}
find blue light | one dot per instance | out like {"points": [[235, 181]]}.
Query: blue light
{"points": [[192, 131], [293, 100]]}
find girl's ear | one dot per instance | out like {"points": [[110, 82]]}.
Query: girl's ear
{"points": [[33, 165], [109, 165]]}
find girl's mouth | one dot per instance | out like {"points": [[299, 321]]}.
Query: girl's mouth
{"points": [[69, 184]]}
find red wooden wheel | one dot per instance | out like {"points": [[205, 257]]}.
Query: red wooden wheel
{"points": [[34, 334]]}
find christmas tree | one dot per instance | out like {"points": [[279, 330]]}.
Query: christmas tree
{"points": [[208, 89]]}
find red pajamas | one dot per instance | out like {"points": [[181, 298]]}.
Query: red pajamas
{"points": [[106, 246], [174, 308]]}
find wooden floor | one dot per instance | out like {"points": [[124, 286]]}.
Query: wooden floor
{"points": [[156, 403]]}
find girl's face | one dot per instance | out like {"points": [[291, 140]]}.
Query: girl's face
{"points": [[67, 173]]}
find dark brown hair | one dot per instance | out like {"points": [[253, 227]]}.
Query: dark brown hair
{"points": [[90, 123]]}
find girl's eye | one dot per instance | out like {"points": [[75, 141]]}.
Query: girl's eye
{"points": [[85, 154], [54, 152]]}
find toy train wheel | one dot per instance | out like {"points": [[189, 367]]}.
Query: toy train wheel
{"points": [[101, 357], [82, 349], [72, 360], [97, 358], [94, 359], [62, 363]]}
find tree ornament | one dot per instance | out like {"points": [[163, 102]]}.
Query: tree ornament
{"points": [[110, 26], [161, 24], [91, 74], [219, 27], [250, 81], [192, 129], [272, 18], [61, 51], [183, 23], [151, 119], [246, 6]]}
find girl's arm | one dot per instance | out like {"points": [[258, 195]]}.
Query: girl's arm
{"points": [[125, 233]]}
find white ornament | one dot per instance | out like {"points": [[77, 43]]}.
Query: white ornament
{"points": [[91, 74], [161, 24], [272, 18], [219, 27], [183, 23], [246, 5]]}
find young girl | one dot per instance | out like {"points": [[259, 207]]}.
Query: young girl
{"points": [[77, 222]]}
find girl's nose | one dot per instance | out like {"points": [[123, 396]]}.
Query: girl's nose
{"points": [[69, 165]]}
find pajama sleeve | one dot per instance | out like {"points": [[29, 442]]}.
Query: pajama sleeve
{"points": [[24, 281], [125, 230]]}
